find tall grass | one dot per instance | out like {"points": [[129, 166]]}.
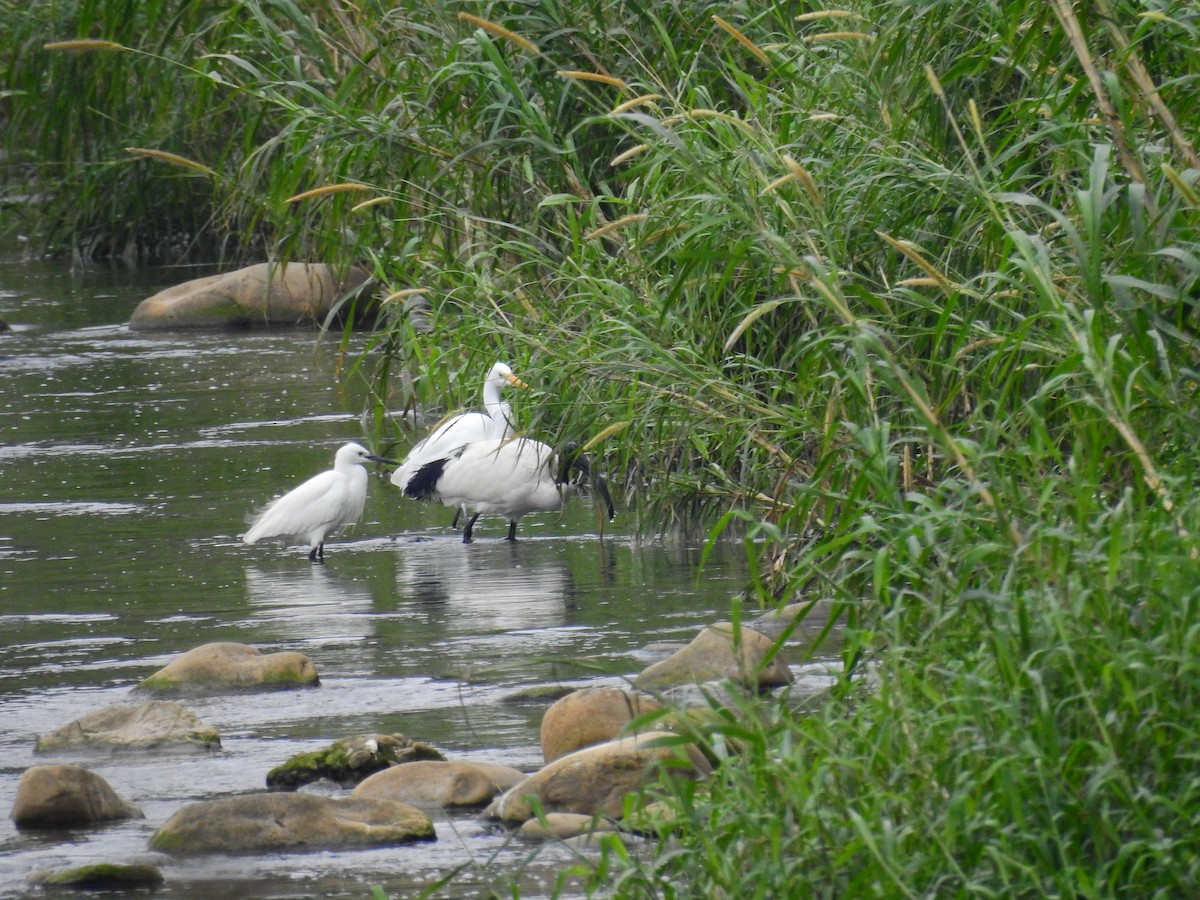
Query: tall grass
{"points": [[904, 294]]}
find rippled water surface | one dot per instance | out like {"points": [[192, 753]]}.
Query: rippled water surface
{"points": [[129, 463]]}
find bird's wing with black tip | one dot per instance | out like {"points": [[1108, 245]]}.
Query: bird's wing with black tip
{"points": [[423, 483]]}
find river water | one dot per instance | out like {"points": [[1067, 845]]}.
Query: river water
{"points": [[129, 463]]}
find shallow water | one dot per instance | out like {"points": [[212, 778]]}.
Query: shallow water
{"points": [[128, 465]]}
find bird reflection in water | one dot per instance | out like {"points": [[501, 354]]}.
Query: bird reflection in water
{"points": [[492, 590], [310, 604]]}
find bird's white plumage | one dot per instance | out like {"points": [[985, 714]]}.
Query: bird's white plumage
{"points": [[502, 477], [319, 506], [493, 422], [509, 478]]}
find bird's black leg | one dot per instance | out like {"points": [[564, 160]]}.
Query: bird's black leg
{"points": [[312, 555], [512, 530], [469, 530], [457, 515]]}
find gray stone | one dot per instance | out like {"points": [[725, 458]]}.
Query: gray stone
{"points": [[153, 724]]}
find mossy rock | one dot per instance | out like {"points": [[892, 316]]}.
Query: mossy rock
{"points": [[100, 876], [348, 761]]}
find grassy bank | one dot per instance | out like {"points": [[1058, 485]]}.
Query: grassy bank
{"points": [[902, 292]]}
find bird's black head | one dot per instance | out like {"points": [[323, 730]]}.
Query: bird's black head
{"points": [[575, 468]]}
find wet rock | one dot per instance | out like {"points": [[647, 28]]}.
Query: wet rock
{"points": [[154, 724], [348, 761], [596, 780], [590, 716], [431, 785], [260, 295], [100, 876], [275, 821], [212, 668], [67, 796], [809, 618], [719, 653], [561, 826]]}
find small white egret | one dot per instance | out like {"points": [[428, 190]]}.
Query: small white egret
{"points": [[494, 422], [503, 477], [322, 504]]}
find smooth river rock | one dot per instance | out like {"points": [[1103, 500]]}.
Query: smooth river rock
{"points": [[590, 716], [266, 294], [67, 796], [287, 821], [719, 653], [596, 780], [433, 785], [154, 724], [223, 666], [562, 826], [347, 761]]}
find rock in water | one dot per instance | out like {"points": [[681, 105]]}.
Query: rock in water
{"points": [[223, 666], [590, 716], [100, 877], [439, 785], [349, 760], [277, 821], [260, 295], [596, 780], [67, 796], [153, 724], [717, 653]]}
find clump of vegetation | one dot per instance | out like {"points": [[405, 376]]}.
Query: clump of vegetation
{"points": [[903, 293]]}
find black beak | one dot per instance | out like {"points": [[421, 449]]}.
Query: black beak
{"points": [[382, 459], [572, 460]]}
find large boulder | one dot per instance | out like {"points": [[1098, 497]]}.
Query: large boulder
{"points": [[719, 652], [434, 785], [260, 295], [596, 780], [154, 724], [224, 666], [299, 821], [590, 716], [67, 796], [349, 760]]}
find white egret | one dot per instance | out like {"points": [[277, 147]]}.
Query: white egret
{"points": [[494, 422], [321, 505], [502, 477]]}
